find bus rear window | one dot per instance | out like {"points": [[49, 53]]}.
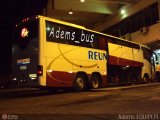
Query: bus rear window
{"points": [[25, 33]]}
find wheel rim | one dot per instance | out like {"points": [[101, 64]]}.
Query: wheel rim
{"points": [[79, 83], [95, 84], [145, 79]]}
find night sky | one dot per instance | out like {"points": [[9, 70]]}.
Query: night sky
{"points": [[13, 11]]}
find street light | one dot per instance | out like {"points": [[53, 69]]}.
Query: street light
{"points": [[70, 12], [123, 11], [82, 0]]}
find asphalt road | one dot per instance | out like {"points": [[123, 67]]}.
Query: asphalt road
{"points": [[133, 102]]}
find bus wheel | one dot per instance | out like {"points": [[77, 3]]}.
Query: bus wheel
{"points": [[80, 82], [95, 81], [146, 78]]}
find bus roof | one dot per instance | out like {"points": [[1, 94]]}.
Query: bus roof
{"points": [[61, 22]]}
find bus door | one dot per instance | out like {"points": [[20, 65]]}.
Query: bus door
{"points": [[149, 64]]}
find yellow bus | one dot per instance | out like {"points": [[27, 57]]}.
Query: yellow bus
{"points": [[52, 53]]}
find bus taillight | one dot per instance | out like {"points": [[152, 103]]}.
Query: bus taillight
{"points": [[39, 70]]}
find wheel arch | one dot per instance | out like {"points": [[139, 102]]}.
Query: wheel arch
{"points": [[84, 74]]}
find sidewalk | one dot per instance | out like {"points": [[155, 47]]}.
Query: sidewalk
{"points": [[132, 86]]}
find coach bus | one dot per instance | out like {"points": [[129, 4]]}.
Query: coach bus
{"points": [[51, 53]]}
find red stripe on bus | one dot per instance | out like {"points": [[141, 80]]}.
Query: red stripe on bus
{"points": [[60, 79], [65, 79], [123, 62]]}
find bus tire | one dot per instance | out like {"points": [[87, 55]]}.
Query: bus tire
{"points": [[95, 81], [146, 78], [80, 82]]}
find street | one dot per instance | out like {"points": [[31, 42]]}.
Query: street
{"points": [[104, 103]]}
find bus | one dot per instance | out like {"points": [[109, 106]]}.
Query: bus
{"points": [[51, 53]]}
